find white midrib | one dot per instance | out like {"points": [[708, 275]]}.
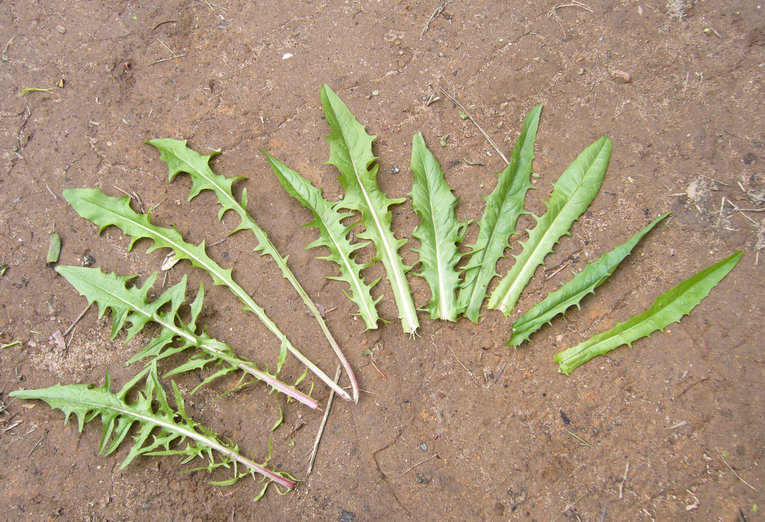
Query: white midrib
{"points": [[512, 289], [174, 428], [195, 341], [389, 254], [440, 269]]}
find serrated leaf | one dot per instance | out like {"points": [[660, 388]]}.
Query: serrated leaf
{"points": [[503, 208], [350, 150], [572, 194], [180, 158], [668, 308], [333, 234], [130, 305], [158, 427], [439, 231], [570, 294], [104, 211]]}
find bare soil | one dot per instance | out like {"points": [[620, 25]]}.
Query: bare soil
{"points": [[463, 427]]}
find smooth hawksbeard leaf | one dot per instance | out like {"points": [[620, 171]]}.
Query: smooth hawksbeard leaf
{"points": [[350, 150], [503, 207], [570, 294], [439, 233], [104, 211], [668, 308], [180, 158], [161, 429], [333, 234], [130, 305], [572, 194]]}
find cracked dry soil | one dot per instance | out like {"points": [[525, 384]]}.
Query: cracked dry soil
{"points": [[676, 85]]}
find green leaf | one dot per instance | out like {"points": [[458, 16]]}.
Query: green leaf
{"points": [[333, 234], [180, 158], [54, 249], [570, 294], [572, 194], [158, 427], [668, 308], [439, 233], [130, 305], [503, 207], [104, 211], [350, 150]]}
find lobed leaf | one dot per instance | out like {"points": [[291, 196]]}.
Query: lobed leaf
{"points": [[570, 294], [104, 211], [180, 158], [333, 234], [130, 305], [668, 308], [350, 150], [572, 194], [503, 208], [439, 231], [159, 426]]}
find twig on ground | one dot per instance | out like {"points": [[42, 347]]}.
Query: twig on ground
{"points": [[485, 135], [580, 439], [51, 192], [378, 369], [434, 15], [465, 367], [163, 23], [434, 456], [7, 45], [496, 379], [554, 13], [77, 320], [624, 480], [323, 424], [732, 471], [36, 445]]}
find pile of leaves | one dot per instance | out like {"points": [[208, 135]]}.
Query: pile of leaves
{"points": [[458, 275]]}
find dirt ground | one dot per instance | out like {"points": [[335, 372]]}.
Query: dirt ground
{"points": [[463, 427]]}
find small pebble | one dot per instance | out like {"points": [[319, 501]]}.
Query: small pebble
{"points": [[422, 479], [621, 76], [61, 29], [287, 56], [395, 169], [423, 446], [347, 516]]}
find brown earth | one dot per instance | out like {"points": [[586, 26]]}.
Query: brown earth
{"points": [[677, 86]]}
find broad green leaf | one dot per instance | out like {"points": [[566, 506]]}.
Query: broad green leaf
{"points": [[570, 294], [572, 194], [668, 308], [333, 234], [350, 150], [439, 232], [104, 211], [131, 305], [159, 425], [180, 158], [503, 207]]}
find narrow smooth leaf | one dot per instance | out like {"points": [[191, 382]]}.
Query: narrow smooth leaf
{"points": [[439, 231], [572, 194], [104, 211], [158, 427], [333, 234], [668, 308], [503, 208], [350, 150], [180, 158], [570, 294], [129, 304]]}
